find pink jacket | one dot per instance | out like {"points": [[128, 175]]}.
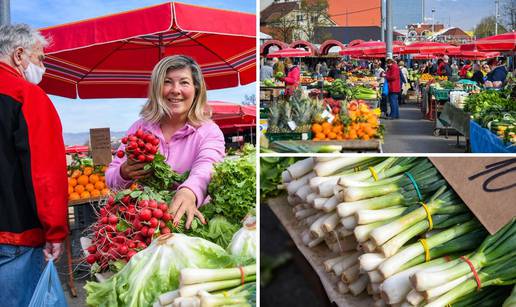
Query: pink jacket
{"points": [[189, 149], [292, 79]]}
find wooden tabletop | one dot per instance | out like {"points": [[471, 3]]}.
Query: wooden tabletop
{"points": [[316, 256]]}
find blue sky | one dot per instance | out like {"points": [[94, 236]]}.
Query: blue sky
{"points": [[80, 115]]}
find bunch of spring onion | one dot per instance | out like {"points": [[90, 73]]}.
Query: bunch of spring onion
{"points": [[491, 264], [213, 287], [368, 212]]}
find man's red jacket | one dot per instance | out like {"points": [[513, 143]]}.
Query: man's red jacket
{"points": [[393, 78], [33, 180]]}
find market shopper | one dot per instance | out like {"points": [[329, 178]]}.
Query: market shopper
{"points": [[266, 71], [175, 112], [465, 69], [393, 78], [496, 77], [443, 68], [404, 79], [33, 192], [478, 76], [278, 66], [292, 78], [378, 71]]}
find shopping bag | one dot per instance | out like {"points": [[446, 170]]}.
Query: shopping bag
{"points": [[49, 292], [385, 88]]}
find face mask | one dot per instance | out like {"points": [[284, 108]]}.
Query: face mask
{"points": [[34, 73]]}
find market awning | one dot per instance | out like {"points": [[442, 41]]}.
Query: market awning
{"points": [[289, 53], [113, 56], [265, 47], [477, 55], [371, 48], [305, 45], [424, 56], [327, 45], [228, 114], [501, 42], [428, 48]]}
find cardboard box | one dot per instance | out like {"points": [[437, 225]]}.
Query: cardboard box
{"points": [[487, 185]]}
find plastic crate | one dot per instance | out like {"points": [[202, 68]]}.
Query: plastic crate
{"points": [[289, 136], [441, 94]]}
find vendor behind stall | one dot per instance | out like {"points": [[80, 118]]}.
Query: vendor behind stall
{"points": [[292, 78], [496, 77], [478, 76]]}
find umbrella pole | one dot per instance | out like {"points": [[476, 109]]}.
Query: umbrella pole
{"points": [[161, 48]]}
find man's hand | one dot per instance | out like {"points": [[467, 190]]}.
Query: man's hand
{"points": [[53, 250]]}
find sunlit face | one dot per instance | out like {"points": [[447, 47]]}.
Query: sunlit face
{"points": [[179, 91]]}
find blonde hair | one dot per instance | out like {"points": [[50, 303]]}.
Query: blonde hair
{"points": [[156, 108]]}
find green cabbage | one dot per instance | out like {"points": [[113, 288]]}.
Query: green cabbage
{"points": [[155, 270]]}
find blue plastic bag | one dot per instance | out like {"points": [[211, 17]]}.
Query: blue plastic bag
{"points": [[49, 292], [385, 88]]}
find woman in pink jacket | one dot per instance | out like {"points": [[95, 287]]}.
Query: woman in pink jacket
{"points": [[176, 113], [292, 78]]}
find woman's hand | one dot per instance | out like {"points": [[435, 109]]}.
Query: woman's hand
{"points": [[184, 202], [132, 170]]}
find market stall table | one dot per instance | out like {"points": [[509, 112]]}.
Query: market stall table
{"points": [[458, 119], [483, 140], [373, 145], [315, 257]]}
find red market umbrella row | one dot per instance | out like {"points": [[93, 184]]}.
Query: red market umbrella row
{"points": [[289, 53], [113, 56], [226, 114], [371, 48], [501, 42], [475, 55], [424, 56], [428, 48]]}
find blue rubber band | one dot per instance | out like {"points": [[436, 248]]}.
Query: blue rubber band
{"points": [[414, 183]]}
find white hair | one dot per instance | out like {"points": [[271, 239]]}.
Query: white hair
{"points": [[20, 35]]}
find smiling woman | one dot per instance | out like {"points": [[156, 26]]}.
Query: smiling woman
{"points": [[176, 113]]}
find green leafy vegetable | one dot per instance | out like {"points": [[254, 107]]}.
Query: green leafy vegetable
{"points": [[155, 270], [233, 187]]}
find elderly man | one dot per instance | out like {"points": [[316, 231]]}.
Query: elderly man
{"points": [[33, 185]]}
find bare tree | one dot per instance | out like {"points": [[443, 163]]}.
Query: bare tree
{"points": [[282, 26], [508, 10], [315, 13], [486, 27]]}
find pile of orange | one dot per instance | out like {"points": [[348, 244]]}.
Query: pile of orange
{"points": [[84, 183], [327, 131], [358, 121]]}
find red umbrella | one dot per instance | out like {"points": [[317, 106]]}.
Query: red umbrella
{"points": [[477, 55], [289, 53], [230, 116], [424, 56], [501, 42], [428, 47], [371, 48], [113, 56]]}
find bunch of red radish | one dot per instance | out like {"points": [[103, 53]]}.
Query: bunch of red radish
{"points": [[125, 227], [140, 146]]}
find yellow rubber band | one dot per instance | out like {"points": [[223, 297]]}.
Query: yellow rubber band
{"points": [[425, 247], [356, 169], [428, 216], [373, 172]]}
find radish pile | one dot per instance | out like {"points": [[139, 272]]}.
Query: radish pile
{"points": [[140, 146], [126, 225]]}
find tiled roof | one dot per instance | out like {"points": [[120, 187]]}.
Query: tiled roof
{"points": [[276, 11]]}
